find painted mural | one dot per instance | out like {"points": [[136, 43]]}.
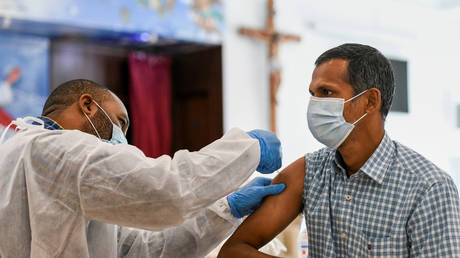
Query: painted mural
{"points": [[194, 20], [24, 66]]}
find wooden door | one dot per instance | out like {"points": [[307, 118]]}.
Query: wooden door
{"points": [[197, 98], [196, 83]]}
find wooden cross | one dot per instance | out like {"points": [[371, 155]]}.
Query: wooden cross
{"points": [[273, 39]]}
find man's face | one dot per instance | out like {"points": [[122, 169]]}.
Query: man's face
{"points": [[117, 113], [330, 79]]}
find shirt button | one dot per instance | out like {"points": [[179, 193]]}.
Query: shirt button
{"points": [[348, 197], [343, 235]]}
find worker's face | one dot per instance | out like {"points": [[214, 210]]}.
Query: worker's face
{"points": [[330, 79], [117, 112], [114, 109]]}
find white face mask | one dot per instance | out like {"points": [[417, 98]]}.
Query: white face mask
{"points": [[326, 121], [118, 137]]}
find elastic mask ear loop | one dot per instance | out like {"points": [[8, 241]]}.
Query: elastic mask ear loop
{"points": [[89, 120], [356, 96], [103, 111], [365, 114]]}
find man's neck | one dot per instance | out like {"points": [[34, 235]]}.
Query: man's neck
{"points": [[357, 151], [64, 119]]}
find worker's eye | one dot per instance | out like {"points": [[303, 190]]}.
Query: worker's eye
{"points": [[122, 123], [326, 92]]}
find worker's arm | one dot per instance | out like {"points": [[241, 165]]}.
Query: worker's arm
{"points": [[119, 185], [195, 238], [271, 218], [157, 193]]}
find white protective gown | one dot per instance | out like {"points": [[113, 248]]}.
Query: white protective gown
{"points": [[62, 192]]}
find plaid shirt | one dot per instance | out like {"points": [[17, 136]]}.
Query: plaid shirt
{"points": [[397, 205]]}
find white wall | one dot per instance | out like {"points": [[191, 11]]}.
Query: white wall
{"points": [[245, 84], [427, 38]]}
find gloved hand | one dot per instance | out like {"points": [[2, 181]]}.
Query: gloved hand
{"points": [[246, 200], [270, 151]]}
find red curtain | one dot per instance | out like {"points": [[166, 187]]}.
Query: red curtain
{"points": [[150, 103]]}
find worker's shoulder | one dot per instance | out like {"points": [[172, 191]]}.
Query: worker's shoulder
{"points": [[64, 134], [39, 137], [419, 167]]}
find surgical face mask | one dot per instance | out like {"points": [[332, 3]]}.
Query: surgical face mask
{"points": [[118, 137], [326, 121]]}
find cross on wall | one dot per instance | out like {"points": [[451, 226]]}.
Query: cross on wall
{"points": [[273, 39]]}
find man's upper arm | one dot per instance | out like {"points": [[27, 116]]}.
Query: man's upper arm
{"points": [[434, 227], [275, 213]]}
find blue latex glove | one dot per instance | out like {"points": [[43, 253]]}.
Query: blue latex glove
{"points": [[270, 151], [246, 200]]}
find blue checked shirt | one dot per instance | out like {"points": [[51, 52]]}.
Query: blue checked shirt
{"points": [[398, 204]]}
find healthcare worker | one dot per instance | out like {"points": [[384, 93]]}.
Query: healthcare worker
{"points": [[63, 191]]}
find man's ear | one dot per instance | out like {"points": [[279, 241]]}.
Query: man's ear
{"points": [[86, 105], [374, 100]]}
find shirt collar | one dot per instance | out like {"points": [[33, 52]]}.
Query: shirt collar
{"points": [[378, 163], [50, 124]]}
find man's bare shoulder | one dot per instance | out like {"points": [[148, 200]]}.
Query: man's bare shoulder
{"points": [[293, 176]]}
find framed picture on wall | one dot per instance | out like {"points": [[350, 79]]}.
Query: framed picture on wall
{"points": [[401, 94]]}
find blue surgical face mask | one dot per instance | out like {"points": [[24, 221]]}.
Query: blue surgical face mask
{"points": [[326, 121], [118, 137]]}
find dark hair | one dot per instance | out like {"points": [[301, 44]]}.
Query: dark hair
{"points": [[367, 68], [70, 92]]}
